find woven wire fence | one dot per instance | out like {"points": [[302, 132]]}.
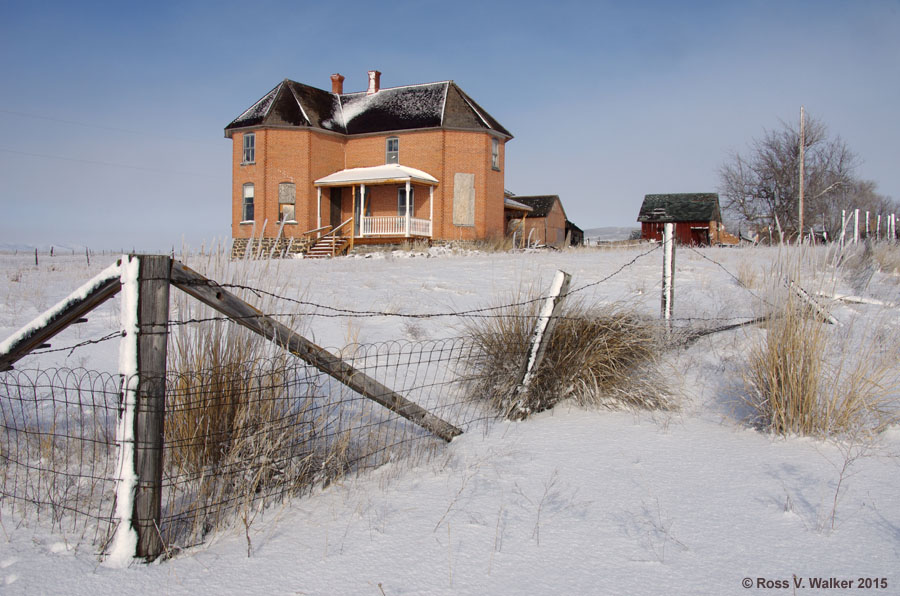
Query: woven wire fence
{"points": [[238, 437], [58, 450]]}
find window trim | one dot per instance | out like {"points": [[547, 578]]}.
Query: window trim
{"points": [[245, 203], [495, 153], [395, 153], [249, 148]]}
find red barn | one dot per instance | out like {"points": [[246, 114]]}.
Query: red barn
{"points": [[697, 218]]}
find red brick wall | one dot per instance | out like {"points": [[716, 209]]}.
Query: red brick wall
{"points": [[302, 156]]}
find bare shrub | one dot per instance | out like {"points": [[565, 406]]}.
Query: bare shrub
{"points": [[598, 356]]}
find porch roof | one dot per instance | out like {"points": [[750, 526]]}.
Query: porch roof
{"points": [[385, 174]]}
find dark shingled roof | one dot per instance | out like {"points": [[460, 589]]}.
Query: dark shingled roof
{"points": [[680, 207], [431, 105], [542, 204]]}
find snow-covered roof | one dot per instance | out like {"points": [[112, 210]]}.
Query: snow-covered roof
{"points": [[411, 107], [385, 174], [702, 206], [541, 204]]}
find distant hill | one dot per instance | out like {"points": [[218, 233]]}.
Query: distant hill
{"points": [[609, 234]]}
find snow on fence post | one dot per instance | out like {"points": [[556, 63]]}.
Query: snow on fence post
{"points": [[543, 327], [139, 432], [668, 276]]}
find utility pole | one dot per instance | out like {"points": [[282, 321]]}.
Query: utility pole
{"points": [[802, 158]]}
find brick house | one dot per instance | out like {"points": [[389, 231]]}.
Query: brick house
{"points": [[413, 162], [697, 218]]}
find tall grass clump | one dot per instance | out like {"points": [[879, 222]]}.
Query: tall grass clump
{"points": [[243, 422], [806, 377], [596, 356]]}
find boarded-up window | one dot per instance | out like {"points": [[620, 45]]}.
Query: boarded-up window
{"points": [[287, 197], [464, 199]]}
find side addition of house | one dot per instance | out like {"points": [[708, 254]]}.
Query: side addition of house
{"points": [[378, 166]]}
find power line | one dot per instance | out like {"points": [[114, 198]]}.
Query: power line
{"points": [[108, 164]]}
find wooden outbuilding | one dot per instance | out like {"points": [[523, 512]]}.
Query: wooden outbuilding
{"points": [[697, 218]]}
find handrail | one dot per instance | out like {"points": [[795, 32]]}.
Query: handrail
{"points": [[316, 230], [334, 234], [335, 231]]}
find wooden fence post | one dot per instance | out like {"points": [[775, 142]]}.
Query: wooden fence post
{"points": [[543, 327], [149, 422], [668, 276]]}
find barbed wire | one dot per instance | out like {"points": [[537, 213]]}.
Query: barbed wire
{"points": [[88, 342], [474, 313]]}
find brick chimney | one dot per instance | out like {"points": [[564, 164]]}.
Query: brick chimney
{"points": [[337, 83], [374, 82]]}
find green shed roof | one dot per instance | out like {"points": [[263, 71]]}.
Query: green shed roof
{"points": [[699, 206]]}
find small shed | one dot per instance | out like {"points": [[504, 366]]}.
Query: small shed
{"points": [[546, 223], [697, 218], [574, 233]]}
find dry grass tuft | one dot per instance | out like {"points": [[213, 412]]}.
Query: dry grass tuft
{"points": [[809, 378], [600, 356], [243, 421], [887, 257]]}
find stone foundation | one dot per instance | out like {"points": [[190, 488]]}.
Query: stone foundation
{"points": [[277, 248]]}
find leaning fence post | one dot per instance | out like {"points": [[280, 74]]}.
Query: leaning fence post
{"points": [[668, 276], [543, 328]]}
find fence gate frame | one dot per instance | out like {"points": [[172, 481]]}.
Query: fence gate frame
{"points": [[147, 340]]}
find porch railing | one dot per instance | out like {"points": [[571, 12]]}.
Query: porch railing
{"points": [[394, 226]]}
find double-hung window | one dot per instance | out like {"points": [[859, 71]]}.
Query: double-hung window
{"points": [[401, 202], [495, 154], [392, 150], [247, 207], [249, 148]]}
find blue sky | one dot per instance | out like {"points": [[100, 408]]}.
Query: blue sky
{"points": [[113, 113]]}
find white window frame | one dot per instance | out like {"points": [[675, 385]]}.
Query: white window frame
{"points": [[401, 201], [249, 146], [247, 201], [495, 153], [392, 155]]}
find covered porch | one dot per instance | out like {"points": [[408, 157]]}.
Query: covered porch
{"points": [[385, 202]]}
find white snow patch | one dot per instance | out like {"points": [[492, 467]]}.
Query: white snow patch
{"points": [[125, 540], [48, 315]]}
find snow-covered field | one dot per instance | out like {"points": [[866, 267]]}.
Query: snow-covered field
{"points": [[570, 501]]}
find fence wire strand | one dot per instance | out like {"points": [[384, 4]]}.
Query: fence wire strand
{"points": [[242, 435]]}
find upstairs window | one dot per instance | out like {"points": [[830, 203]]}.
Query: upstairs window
{"points": [[495, 154], [401, 202], [247, 207], [249, 148], [392, 150], [287, 198]]}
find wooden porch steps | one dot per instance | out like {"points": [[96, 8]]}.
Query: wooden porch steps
{"points": [[328, 246]]}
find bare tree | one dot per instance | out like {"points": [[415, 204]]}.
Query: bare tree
{"points": [[761, 186]]}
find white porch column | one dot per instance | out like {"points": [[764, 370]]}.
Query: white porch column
{"points": [[362, 209], [407, 209], [318, 206], [431, 210]]}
